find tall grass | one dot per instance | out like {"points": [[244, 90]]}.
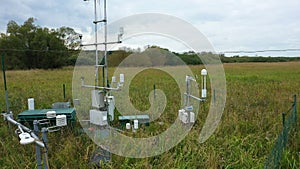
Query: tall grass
{"points": [[257, 94]]}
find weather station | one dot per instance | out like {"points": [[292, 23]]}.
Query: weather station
{"points": [[96, 101], [186, 115], [101, 97]]}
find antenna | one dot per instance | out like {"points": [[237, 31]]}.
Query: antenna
{"points": [[105, 85]]}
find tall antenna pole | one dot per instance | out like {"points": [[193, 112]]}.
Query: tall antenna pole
{"points": [[105, 46], [96, 45], [105, 43]]}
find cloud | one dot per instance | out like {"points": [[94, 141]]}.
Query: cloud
{"points": [[228, 24]]}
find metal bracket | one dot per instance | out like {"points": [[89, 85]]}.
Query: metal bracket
{"points": [[53, 129]]}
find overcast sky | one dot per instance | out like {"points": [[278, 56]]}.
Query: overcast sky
{"points": [[228, 24]]}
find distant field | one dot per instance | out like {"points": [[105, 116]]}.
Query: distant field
{"points": [[257, 94]]}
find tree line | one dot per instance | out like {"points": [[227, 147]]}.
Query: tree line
{"points": [[29, 46]]}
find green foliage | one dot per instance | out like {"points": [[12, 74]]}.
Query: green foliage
{"points": [[244, 59], [29, 46], [150, 58]]}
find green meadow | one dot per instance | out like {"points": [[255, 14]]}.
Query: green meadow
{"points": [[257, 94]]}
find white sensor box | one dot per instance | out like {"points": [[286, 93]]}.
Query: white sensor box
{"points": [[98, 117], [61, 120]]}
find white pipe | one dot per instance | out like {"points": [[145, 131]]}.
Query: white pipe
{"points": [[36, 138]]}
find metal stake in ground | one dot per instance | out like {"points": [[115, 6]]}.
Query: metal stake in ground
{"points": [[5, 86]]}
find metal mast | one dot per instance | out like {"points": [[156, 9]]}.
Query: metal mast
{"points": [[96, 45], [104, 65], [105, 46]]}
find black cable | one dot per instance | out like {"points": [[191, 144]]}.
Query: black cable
{"points": [[34, 50]]}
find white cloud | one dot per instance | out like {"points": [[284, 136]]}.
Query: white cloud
{"points": [[228, 24]]}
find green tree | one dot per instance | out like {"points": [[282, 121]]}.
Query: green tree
{"points": [[70, 37], [29, 46]]}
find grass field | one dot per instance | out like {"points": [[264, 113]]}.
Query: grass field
{"points": [[257, 94]]}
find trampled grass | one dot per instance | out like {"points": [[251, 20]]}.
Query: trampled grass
{"points": [[257, 94]]}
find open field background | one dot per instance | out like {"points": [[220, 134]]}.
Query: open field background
{"points": [[257, 94]]}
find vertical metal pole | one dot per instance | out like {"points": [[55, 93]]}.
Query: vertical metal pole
{"points": [[105, 45], [295, 109], [204, 85], [103, 75], [283, 120], [5, 86], [37, 148], [188, 92], [64, 91], [285, 131], [214, 96], [154, 87], [45, 139], [96, 45]]}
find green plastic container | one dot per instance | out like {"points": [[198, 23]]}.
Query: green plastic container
{"points": [[29, 116]]}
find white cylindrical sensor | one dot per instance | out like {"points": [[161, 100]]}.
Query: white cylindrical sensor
{"points": [[184, 117], [192, 117], [128, 126], [122, 78], [203, 93], [135, 124], [180, 113], [113, 79], [31, 104], [203, 72]]}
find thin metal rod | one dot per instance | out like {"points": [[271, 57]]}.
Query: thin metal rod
{"points": [[45, 140], [3, 69], [194, 97], [96, 44], [98, 87], [154, 88], [101, 43], [100, 65], [37, 148], [105, 45], [64, 91], [295, 108], [5, 86]]}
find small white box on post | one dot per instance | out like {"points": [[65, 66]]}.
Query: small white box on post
{"points": [[135, 124], [31, 104], [192, 117], [122, 78]]}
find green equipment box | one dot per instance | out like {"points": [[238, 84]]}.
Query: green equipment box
{"points": [[29, 116]]}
